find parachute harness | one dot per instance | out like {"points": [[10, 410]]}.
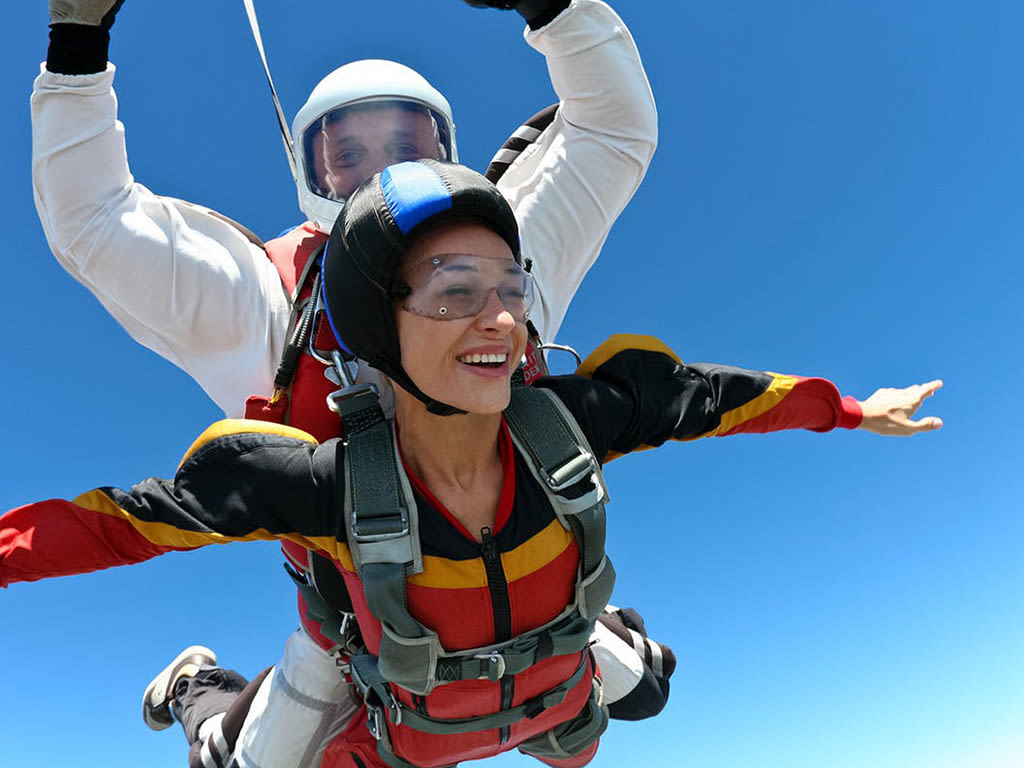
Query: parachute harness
{"points": [[382, 527]]}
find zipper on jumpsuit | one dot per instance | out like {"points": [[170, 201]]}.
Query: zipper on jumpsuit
{"points": [[501, 607]]}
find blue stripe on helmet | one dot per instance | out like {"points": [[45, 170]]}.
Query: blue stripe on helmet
{"points": [[413, 192]]}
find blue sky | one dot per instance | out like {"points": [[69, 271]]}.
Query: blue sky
{"points": [[837, 192]]}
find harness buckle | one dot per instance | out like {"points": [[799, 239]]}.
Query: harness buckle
{"points": [[495, 666], [377, 714], [368, 530], [394, 707], [375, 722], [352, 399], [570, 473]]}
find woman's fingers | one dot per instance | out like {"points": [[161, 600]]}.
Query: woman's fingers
{"points": [[888, 411]]}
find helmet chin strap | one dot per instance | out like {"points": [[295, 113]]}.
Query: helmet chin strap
{"points": [[399, 377], [286, 134]]}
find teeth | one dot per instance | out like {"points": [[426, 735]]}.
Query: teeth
{"points": [[478, 358]]}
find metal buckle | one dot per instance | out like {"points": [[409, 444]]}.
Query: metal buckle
{"points": [[381, 535], [341, 400], [395, 707], [351, 397], [570, 473], [497, 666], [318, 308], [562, 348], [351, 370], [375, 720]]}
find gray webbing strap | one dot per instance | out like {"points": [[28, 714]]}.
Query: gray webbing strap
{"points": [[548, 440], [568, 636], [542, 427], [553, 440], [377, 695], [380, 530], [332, 623], [421, 663], [501, 719]]}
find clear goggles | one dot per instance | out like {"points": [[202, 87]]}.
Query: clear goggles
{"points": [[346, 146], [452, 286]]}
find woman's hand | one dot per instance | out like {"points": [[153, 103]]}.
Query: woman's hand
{"points": [[890, 411]]}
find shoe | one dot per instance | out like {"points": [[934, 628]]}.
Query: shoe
{"points": [[156, 701]]}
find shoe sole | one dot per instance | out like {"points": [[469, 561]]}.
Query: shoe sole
{"points": [[155, 710]]}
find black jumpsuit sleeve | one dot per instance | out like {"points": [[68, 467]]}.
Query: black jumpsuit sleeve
{"points": [[633, 392], [240, 481]]}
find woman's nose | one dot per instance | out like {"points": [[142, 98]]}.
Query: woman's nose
{"points": [[494, 315]]}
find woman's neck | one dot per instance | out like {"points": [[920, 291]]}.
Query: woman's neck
{"points": [[456, 457], [451, 448]]}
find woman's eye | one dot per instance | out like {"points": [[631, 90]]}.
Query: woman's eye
{"points": [[516, 291]]}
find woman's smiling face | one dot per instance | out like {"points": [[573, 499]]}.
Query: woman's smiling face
{"points": [[468, 361]]}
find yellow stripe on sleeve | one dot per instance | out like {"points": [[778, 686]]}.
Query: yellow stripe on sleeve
{"points": [[167, 535], [780, 387]]}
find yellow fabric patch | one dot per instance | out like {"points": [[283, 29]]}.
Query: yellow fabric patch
{"points": [[226, 427], [530, 556], [620, 342], [537, 552], [442, 573], [344, 556]]}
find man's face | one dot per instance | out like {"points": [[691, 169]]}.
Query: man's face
{"points": [[367, 139]]}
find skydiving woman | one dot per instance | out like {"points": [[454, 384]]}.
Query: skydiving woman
{"points": [[470, 527]]}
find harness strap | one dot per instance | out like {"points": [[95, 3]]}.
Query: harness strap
{"points": [[418, 664], [381, 701], [382, 527], [569, 636], [562, 459], [299, 338], [335, 625], [382, 534]]}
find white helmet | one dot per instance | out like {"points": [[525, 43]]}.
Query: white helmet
{"points": [[392, 106]]}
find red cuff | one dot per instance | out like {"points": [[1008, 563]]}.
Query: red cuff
{"points": [[851, 415]]}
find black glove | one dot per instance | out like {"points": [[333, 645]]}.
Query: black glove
{"points": [[80, 35], [536, 12]]}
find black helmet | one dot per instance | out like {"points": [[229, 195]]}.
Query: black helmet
{"points": [[371, 235]]}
